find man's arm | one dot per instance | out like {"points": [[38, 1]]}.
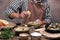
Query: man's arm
{"points": [[13, 8], [47, 11], [48, 16], [25, 5]]}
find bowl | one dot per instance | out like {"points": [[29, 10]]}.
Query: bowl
{"points": [[24, 36], [21, 29], [35, 36], [52, 28], [30, 24]]}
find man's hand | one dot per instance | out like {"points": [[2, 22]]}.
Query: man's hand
{"points": [[41, 22], [14, 15], [25, 14]]}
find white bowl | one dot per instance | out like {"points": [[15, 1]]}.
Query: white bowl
{"points": [[36, 34]]}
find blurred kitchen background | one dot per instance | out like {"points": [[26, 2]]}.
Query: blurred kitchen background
{"points": [[54, 4]]}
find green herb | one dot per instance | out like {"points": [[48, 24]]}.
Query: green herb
{"points": [[7, 33], [55, 25]]}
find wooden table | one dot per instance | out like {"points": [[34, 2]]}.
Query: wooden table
{"points": [[45, 35]]}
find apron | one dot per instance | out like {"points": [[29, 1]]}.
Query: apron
{"points": [[37, 12]]}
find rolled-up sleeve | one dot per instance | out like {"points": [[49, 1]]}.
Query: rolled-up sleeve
{"points": [[48, 12], [13, 5], [25, 5]]}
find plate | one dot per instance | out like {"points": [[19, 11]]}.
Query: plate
{"points": [[21, 29], [52, 29], [10, 25], [34, 24]]}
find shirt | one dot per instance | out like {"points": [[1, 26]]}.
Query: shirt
{"points": [[22, 5]]}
